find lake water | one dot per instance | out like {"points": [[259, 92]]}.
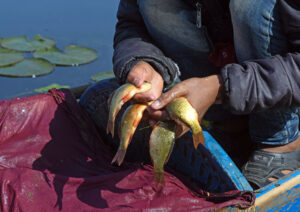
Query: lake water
{"points": [[89, 23]]}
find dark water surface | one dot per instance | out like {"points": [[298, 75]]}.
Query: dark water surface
{"points": [[88, 23]]}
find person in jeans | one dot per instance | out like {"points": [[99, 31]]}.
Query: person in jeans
{"points": [[159, 41]]}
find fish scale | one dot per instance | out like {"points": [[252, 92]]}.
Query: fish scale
{"points": [[180, 109], [161, 144]]}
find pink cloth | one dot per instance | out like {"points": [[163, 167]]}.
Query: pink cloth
{"points": [[53, 159]]}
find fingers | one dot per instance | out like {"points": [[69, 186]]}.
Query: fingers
{"points": [[167, 97], [161, 115], [136, 76], [145, 72], [181, 130], [144, 97]]}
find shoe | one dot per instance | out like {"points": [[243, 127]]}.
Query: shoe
{"points": [[263, 165]]}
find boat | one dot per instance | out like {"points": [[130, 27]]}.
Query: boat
{"points": [[281, 195]]}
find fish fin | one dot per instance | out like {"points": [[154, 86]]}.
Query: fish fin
{"points": [[110, 127], [119, 157], [119, 129], [170, 152], [198, 138], [159, 178]]}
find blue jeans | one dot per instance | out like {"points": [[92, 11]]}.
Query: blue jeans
{"points": [[257, 34]]}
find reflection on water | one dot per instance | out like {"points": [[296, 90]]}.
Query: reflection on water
{"points": [[88, 23]]}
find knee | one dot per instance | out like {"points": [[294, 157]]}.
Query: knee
{"points": [[254, 14], [157, 13], [148, 7], [241, 12]]}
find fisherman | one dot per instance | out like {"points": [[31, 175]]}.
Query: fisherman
{"points": [[233, 58]]}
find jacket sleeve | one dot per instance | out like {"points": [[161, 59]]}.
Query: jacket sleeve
{"points": [[132, 44], [267, 83]]}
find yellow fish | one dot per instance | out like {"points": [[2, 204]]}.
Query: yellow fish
{"points": [[180, 109], [129, 122], [161, 144], [122, 95]]}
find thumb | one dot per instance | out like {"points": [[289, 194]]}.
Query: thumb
{"points": [[167, 97], [136, 78]]}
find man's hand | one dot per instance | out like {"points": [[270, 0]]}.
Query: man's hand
{"points": [[200, 92], [141, 72]]}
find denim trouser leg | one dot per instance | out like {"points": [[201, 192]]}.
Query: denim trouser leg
{"points": [[172, 26], [258, 34]]}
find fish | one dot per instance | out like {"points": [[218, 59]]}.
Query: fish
{"points": [[123, 94], [129, 122], [161, 144], [181, 110]]}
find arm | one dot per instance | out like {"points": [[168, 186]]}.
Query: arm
{"points": [[133, 44], [269, 83]]}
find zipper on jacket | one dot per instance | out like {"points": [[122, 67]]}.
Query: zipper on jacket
{"points": [[199, 15]]}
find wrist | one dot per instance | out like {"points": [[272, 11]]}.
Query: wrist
{"points": [[217, 88], [220, 95]]}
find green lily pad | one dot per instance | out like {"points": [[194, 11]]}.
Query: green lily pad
{"points": [[46, 88], [8, 57], [20, 43], [103, 75], [73, 55], [30, 67]]}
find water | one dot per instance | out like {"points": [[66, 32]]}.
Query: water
{"points": [[89, 23]]}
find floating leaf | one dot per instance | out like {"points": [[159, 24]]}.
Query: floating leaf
{"points": [[8, 57], [20, 43], [73, 55], [103, 75], [27, 68], [54, 85]]}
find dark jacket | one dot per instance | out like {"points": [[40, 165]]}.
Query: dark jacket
{"points": [[251, 86]]}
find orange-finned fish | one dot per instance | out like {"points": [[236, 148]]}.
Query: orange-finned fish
{"points": [[161, 144], [122, 95], [129, 122], [180, 109]]}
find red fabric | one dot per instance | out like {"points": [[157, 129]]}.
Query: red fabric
{"points": [[222, 54], [53, 159]]}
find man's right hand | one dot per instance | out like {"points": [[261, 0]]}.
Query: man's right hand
{"points": [[141, 72]]}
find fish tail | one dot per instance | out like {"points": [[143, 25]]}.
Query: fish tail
{"points": [[110, 127], [159, 178], [119, 157], [198, 138]]}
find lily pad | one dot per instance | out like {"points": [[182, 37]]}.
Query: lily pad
{"points": [[73, 55], [46, 88], [103, 75], [8, 57], [20, 43], [30, 67]]}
